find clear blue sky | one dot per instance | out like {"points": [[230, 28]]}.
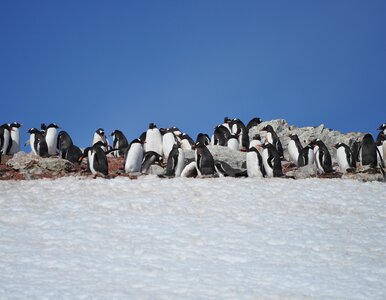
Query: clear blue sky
{"points": [[124, 64]]}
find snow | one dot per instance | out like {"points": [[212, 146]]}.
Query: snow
{"points": [[184, 238]]}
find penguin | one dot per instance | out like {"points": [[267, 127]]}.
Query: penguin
{"points": [[99, 136], [153, 140], [233, 142], [14, 143], [238, 127], [227, 123], [271, 161], [355, 151], [255, 141], [203, 138], [225, 170], [221, 135], [97, 159], [186, 142], [306, 157], [254, 122], [38, 142], [64, 141], [67, 149], [273, 139], [150, 158], [382, 128], [190, 170], [168, 141], [204, 160], [322, 156], [5, 137], [119, 142], [294, 148], [175, 162], [51, 137], [367, 154], [133, 157], [381, 145], [254, 163], [344, 157]]}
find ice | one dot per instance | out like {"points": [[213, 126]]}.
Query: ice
{"points": [[183, 238]]}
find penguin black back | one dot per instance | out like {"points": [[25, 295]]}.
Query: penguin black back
{"points": [[368, 151], [254, 122], [204, 159]]}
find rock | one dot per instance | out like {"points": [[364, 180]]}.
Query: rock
{"points": [[303, 172], [33, 164]]}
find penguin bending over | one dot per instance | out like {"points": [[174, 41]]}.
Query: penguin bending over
{"points": [[150, 157], [322, 156], [254, 162], [271, 161], [176, 161], [14, 142], [133, 157], [119, 142], [38, 142], [273, 139], [344, 157], [221, 135], [204, 160], [97, 159], [294, 148]]}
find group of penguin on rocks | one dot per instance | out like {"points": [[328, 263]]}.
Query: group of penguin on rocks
{"points": [[165, 147]]}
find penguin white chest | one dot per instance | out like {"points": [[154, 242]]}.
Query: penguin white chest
{"points": [[180, 163], [32, 143], [317, 158], [233, 144], [293, 151], [91, 161], [253, 168], [51, 139], [342, 159], [154, 141], [268, 168], [254, 143], [269, 138], [168, 141], [134, 158]]}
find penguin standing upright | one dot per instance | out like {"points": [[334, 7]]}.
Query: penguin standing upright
{"points": [[5, 137], [99, 136], [97, 159], [294, 148], [306, 157], [176, 161], [238, 127], [168, 141], [322, 156], [273, 139], [153, 140], [204, 160], [38, 142], [254, 162], [133, 157], [368, 152], [14, 144], [271, 161], [344, 157], [51, 137], [119, 142]]}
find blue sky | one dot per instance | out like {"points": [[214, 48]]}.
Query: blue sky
{"points": [[124, 64]]}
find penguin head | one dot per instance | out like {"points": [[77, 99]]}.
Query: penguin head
{"points": [[136, 141], [293, 136], [115, 132], [15, 125], [33, 130], [5, 126], [337, 145], [268, 128], [152, 126], [100, 132], [227, 120], [43, 126], [257, 137], [52, 125], [382, 127]]}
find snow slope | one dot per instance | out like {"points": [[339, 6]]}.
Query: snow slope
{"points": [[185, 238]]}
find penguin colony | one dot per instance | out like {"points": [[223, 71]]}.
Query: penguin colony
{"points": [[165, 147]]}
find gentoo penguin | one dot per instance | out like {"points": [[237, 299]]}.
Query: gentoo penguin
{"points": [[238, 127], [271, 161], [153, 140], [168, 141], [254, 122], [254, 161], [51, 137], [5, 137], [119, 142], [322, 156], [382, 128], [149, 158], [99, 136], [204, 160], [273, 139], [227, 123], [381, 145], [368, 151], [133, 157], [221, 135], [186, 142], [233, 142], [225, 170], [344, 157], [190, 170], [176, 161], [294, 148], [14, 143], [203, 138], [67, 149], [255, 141], [306, 157], [38, 142], [97, 159]]}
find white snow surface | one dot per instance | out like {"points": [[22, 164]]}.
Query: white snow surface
{"points": [[183, 238]]}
